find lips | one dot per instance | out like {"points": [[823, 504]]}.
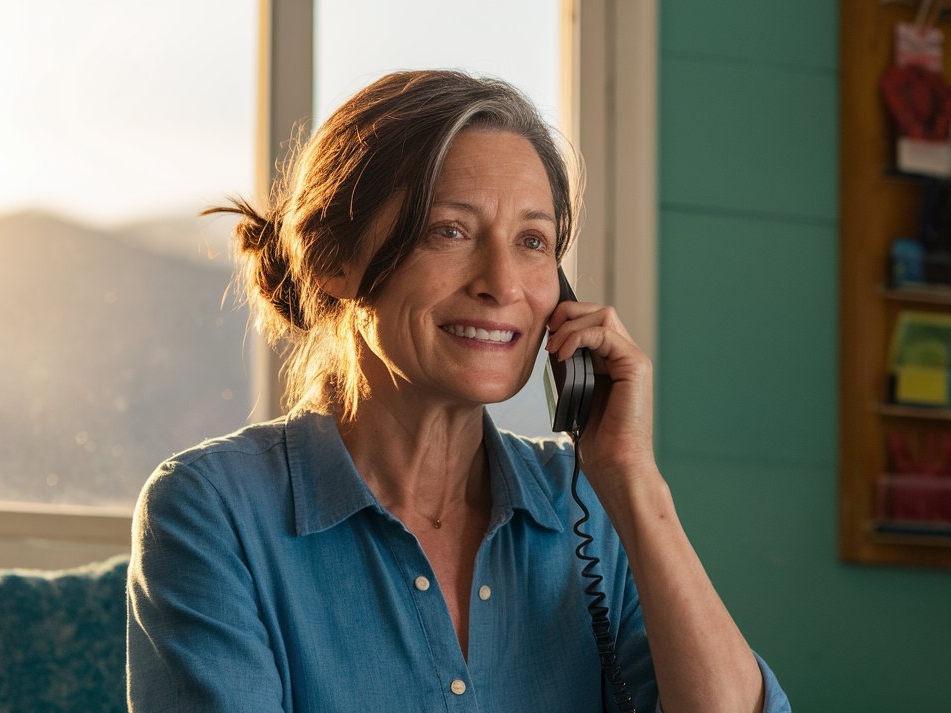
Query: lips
{"points": [[500, 336]]}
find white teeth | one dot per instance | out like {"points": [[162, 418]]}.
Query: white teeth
{"points": [[495, 335]]}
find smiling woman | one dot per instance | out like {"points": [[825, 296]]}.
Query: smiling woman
{"points": [[411, 260]]}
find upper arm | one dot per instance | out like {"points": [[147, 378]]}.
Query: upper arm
{"points": [[196, 640]]}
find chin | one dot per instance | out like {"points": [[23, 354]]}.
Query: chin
{"points": [[483, 386], [495, 394]]}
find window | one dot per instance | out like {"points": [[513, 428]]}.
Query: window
{"points": [[122, 342]]}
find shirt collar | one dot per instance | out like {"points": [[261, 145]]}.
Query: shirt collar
{"points": [[327, 488], [517, 477], [326, 485]]}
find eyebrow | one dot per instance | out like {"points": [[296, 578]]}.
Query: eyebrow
{"points": [[469, 208]]}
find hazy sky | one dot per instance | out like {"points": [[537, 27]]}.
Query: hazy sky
{"points": [[115, 109]]}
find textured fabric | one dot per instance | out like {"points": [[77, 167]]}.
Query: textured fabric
{"points": [[62, 639], [267, 577]]}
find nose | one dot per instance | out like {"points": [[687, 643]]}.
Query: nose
{"points": [[495, 276]]}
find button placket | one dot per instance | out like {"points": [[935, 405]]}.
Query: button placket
{"points": [[422, 584]]}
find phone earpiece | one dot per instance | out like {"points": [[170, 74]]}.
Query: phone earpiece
{"points": [[569, 384]]}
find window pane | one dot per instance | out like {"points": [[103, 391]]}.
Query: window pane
{"points": [[122, 343], [517, 40]]}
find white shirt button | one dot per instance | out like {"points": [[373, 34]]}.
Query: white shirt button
{"points": [[458, 686], [422, 584], [485, 591]]}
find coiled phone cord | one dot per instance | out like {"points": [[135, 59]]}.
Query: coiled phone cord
{"points": [[600, 623]]}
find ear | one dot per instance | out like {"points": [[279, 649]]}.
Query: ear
{"points": [[344, 284]]}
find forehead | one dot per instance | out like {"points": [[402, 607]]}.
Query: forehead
{"points": [[483, 158]]}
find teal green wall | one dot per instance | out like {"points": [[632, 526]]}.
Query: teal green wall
{"points": [[747, 349]]}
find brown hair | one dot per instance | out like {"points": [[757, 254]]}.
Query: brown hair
{"points": [[389, 139]]}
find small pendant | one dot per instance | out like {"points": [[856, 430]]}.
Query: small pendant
{"points": [[437, 523]]}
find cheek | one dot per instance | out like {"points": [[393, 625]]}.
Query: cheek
{"points": [[544, 299], [546, 294]]}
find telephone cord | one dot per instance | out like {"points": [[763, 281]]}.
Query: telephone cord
{"points": [[600, 624]]}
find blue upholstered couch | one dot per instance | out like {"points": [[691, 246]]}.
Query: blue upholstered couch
{"points": [[62, 639]]}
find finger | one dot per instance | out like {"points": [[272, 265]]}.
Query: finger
{"points": [[568, 310], [580, 329], [610, 349]]}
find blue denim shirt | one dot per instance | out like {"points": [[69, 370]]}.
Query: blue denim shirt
{"points": [[266, 577]]}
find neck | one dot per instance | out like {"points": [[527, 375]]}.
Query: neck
{"points": [[421, 465]]}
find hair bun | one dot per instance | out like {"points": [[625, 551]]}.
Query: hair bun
{"points": [[254, 231], [266, 268]]}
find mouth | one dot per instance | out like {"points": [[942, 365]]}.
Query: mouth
{"points": [[498, 336]]}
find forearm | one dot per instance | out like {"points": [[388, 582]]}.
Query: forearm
{"points": [[701, 659]]}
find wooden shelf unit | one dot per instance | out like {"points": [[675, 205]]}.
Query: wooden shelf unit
{"points": [[875, 207]]}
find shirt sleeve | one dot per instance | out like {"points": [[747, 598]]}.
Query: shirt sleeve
{"points": [[775, 700], [195, 639]]}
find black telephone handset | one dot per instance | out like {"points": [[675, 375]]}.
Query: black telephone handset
{"points": [[569, 384]]}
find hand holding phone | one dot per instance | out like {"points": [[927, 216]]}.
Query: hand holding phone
{"points": [[569, 384]]}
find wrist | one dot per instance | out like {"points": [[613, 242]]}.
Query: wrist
{"points": [[635, 494]]}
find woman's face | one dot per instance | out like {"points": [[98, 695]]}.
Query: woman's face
{"points": [[462, 319]]}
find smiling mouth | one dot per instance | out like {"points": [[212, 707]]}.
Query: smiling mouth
{"points": [[501, 336]]}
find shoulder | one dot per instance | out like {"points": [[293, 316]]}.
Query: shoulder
{"points": [[220, 468], [544, 465], [245, 450], [544, 470], [552, 454], [250, 441]]}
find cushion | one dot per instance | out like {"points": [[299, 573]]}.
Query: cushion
{"points": [[62, 647]]}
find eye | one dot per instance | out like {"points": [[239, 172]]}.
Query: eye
{"points": [[535, 243], [448, 231]]}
